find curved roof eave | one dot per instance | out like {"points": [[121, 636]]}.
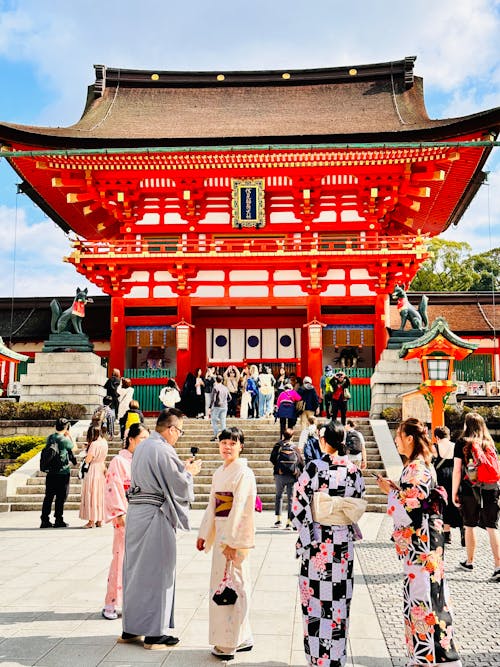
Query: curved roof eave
{"points": [[447, 130]]}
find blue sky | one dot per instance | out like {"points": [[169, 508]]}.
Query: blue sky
{"points": [[48, 48]]}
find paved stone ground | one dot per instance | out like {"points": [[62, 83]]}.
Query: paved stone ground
{"points": [[476, 602], [53, 583]]}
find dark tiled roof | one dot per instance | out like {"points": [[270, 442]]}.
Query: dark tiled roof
{"points": [[462, 318], [382, 102], [31, 318]]}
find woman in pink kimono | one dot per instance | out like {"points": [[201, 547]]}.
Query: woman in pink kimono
{"points": [[92, 500], [115, 509], [228, 525]]}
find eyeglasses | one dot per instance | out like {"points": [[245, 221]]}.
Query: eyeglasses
{"points": [[181, 432]]}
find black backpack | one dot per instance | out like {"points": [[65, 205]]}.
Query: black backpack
{"points": [[353, 443], [50, 457], [288, 461]]}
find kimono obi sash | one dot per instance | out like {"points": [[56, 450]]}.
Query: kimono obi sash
{"points": [[142, 498], [337, 510], [223, 503]]}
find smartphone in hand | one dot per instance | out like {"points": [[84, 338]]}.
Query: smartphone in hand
{"points": [[392, 484]]}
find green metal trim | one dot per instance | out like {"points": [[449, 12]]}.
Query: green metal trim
{"points": [[439, 326], [195, 149]]}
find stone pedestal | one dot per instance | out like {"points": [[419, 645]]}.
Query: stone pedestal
{"points": [[397, 337], [75, 377], [68, 342], [392, 378]]}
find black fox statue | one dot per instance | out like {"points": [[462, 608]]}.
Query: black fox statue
{"points": [[408, 313], [63, 320]]}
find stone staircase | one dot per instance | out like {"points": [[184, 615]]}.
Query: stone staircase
{"points": [[260, 436]]}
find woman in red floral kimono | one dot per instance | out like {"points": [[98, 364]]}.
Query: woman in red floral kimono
{"points": [[418, 535]]}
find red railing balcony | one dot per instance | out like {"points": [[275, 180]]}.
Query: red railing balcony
{"points": [[210, 245]]}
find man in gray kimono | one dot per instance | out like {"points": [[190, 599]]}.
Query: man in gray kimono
{"points": [[160, 492]]}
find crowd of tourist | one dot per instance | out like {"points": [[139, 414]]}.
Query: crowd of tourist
{"points": [[149, 489], [253, 392]]}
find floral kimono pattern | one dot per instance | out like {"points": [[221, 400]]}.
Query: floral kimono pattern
{"points": [[327, 554], [419, 539]]}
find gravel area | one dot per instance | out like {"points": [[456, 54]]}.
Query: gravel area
{"points": [[476, 601]]}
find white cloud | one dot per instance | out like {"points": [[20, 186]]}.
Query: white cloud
{"points": [[455, 41], [31, 257]]}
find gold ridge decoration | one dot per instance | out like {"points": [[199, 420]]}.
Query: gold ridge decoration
{"points": [[241, 158]]}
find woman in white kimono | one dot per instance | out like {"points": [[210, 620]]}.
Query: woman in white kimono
{"points": [[228, 525]]}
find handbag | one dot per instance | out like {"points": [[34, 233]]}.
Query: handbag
{"points": [[84, 468], [337, 510], [225, 594], [347, 394], [258, 504], [300, 406]]}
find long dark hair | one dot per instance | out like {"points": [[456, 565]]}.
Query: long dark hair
{"points": [[94, 432], [475, 430], [421, 441], [334, 435]]}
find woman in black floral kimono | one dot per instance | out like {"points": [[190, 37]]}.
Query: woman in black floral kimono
{"points": [[419, 539], [326, 505]]}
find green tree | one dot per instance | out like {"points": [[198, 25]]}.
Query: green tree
{"points": [[448, 268], [486, 266]]}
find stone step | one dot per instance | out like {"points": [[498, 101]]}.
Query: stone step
{"points": [[263, 474], [261, 435], [267, 502]]}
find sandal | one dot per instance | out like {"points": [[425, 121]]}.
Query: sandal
{"points": [[98, 524], [88, 525]]}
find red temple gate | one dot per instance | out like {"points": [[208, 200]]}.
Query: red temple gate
{"points": [[252, 200]]}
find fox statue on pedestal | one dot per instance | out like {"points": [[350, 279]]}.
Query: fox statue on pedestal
{"points": [[407, 312], [63, 319]]}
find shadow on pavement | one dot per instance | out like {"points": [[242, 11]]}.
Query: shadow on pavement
{"points": [[20, 616]]}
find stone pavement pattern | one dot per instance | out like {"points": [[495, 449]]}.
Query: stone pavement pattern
{"points": [[53, 584], [476, 602]]}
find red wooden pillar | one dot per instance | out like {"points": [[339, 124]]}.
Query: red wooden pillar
{"points": [[118, 338], [380, 325], [183, 365], [314, 358]]}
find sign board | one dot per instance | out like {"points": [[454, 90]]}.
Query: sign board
{"points": [[248, 202]]}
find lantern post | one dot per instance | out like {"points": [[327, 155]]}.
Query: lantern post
{"points": [[314, 349], [437, 350], [183, 343]]}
